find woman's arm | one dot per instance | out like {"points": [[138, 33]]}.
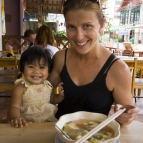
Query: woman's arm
{"points": [[54, 77], [120, 79], [14, 108]]}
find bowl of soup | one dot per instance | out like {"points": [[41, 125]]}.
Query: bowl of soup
{"points": [[76, 125]]}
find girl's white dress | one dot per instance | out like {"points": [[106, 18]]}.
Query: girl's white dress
{"points": [[36, 106]]}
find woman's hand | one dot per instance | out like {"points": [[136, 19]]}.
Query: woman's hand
{"points": [[128, 116], [18, 123]]}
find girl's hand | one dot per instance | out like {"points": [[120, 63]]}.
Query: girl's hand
{"points": [[128, 116], [57, 94], [59, 90], [18, 123]]}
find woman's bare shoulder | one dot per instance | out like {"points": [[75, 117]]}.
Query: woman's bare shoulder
{"points": [[118, 74], [119, 71], [119, 67], [60, 54], [58, 60]]}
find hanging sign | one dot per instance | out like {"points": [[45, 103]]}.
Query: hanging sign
{"points": [[123, 32], [3, 17]]}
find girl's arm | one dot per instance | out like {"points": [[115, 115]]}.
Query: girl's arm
{"points": [[14, 109]]}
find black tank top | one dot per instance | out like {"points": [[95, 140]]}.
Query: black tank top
{"points": [[100, 100]]}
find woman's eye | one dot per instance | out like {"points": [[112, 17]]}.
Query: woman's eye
{"points": [[87, 26], [70, 27]]}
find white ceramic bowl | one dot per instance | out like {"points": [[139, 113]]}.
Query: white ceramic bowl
{"points": [[86, 115]]}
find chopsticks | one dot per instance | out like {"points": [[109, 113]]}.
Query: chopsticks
{"points": [[100, 126]]}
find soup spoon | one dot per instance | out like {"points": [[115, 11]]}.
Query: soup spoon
{"points": [[62, 132]]}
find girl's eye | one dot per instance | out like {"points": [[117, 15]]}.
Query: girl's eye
{"points": [[43, 67], [30, 66]]}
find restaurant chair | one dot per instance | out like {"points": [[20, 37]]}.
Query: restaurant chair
{"points": [[139, 81], [132, 64], [128, 53], [140, 76], [128, 46], [8, 72]]}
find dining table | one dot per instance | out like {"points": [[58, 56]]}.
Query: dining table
{"points": [[140, 52], [129, 58], [111, 48], [46, 133]]}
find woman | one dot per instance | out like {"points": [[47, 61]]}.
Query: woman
{"points": [[80, 66], [45, 38]]}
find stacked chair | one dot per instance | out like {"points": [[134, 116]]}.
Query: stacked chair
{"points": [[8, 73]]}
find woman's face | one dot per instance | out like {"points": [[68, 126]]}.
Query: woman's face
{"points": [[82, 30]]}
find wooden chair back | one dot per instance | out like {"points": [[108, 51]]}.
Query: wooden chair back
{"points": [[139, 80], [15, 41], [128, 53], [18, 41], [132, 64], [62, 42], [128, 46], [8, 72]]}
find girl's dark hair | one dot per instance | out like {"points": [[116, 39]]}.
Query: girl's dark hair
{"points": [[34, 54]]}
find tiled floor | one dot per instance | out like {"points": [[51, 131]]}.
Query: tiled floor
{"points": [[4, 103]]}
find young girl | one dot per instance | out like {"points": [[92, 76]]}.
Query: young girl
{"points": [[31, 96]]}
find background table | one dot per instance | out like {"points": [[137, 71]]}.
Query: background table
{"points": [[138, 52], [45, 133]]}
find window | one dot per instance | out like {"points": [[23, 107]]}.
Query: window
{"points": [[135, 15], [124, 17]]}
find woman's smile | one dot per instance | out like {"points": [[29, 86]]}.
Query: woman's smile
{"points": [[82, 33]]}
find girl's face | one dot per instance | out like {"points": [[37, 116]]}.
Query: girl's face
{"points": [[83, 30], [36, 73]]}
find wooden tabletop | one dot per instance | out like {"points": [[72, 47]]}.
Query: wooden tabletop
{"points": [[139, 52], [129, 58], [45, 133]]}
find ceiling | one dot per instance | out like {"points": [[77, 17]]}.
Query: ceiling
{"points": [[42, 7]]}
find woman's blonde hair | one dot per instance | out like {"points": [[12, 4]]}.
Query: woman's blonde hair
{"points": [[44, 36], [92, 5]]}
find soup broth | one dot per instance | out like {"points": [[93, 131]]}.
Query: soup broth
{"points": [[78, 128]]}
